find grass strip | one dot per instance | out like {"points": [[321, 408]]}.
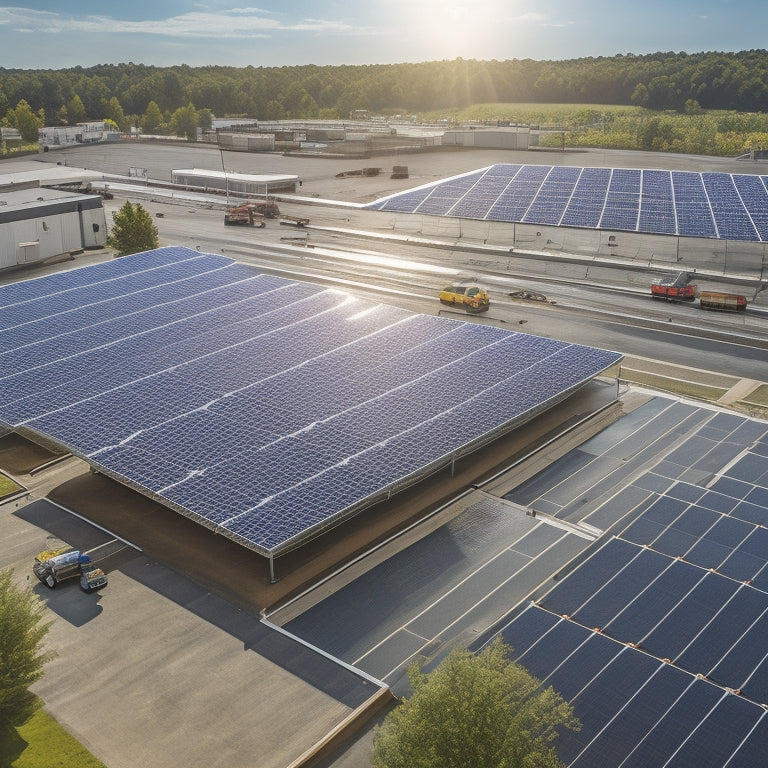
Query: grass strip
{"points": [[42, 743], [8, 487], [678, 386], [758, 397]]}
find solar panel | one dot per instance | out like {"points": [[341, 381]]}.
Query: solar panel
{"points": [[709, 205], [657, 638], [266, 408], [635, 710]]}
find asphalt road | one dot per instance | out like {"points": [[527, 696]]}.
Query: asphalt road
{"points": [[411, 275]]}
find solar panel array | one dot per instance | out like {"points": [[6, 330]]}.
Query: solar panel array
{"points": [[726, 206], [658, 638], [262, 407]]}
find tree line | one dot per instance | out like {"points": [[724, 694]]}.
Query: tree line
{"points": [[151, 97]]}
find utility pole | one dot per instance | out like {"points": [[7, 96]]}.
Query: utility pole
{"points": [[226, 176]]}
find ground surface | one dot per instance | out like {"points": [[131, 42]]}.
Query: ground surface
{"points": [[177, 628]]}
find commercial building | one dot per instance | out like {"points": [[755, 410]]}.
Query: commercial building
{"points": [[38, 224]]}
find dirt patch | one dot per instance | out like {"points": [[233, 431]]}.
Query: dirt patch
{"points": [[19, 456]]}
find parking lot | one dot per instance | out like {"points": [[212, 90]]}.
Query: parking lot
{"points": [[155, 670]]}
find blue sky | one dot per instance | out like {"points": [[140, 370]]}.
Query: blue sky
{"points": [[53, 35]]}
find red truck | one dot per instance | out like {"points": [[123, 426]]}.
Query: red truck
{"points": [[674, 290]]}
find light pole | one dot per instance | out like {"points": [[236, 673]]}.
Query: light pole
{"points": [[226, 177]]}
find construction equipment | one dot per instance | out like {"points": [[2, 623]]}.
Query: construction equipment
{"points": [[473, 298], [678, 289], [267, 208], [360, 172], [244, 215], [296, 221], [53, 566], [530, 296], [725, 302]]}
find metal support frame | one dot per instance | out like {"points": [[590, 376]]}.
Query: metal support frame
{"points": [[272, 578]]}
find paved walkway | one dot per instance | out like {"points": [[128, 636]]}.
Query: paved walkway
{"points": [[742, 389]]}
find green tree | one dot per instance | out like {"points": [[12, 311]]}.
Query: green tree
{"points": [[474, 710], [184, 122], [656, 134], [112, 111], [25, 120], [62, 116], [76, 110], [22, 631], [205, 118], [274, 110], [152, 118], [692, 107], [132, 230]]}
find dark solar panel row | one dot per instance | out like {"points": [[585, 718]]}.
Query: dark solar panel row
{"points": [[657, 210], [443, 197], [658, 637], [50, 285], [553, 197], [704, 622], [755, 197], [712, 205], [732, 219], [710, 539], [635, 710], [519, 194]]}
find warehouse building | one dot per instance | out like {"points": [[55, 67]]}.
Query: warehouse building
{"points": [[38, 224], [234, 183]]}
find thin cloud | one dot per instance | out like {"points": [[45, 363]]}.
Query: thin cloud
{"points": [[233, 23], [540, 20]]}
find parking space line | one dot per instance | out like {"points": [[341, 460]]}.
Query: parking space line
{"points": [[95, 525]]}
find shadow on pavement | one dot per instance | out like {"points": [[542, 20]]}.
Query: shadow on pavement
{"points": [[328, 676]]}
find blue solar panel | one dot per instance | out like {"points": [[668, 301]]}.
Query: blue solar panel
{"points": [[264, 406], [481, 197], [671, 609], [694, 214], [658, 638], [657, 209], [81, 304], [513, 204], [732, 220], [753, 194], [553, 196], [635, 710], [49, 285], [442, 198], [710, 205]]}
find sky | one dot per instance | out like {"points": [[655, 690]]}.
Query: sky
{"points": [[57, 35]]}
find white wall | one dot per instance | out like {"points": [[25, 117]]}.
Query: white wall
{"points": [[683, 253], [49, 236]]}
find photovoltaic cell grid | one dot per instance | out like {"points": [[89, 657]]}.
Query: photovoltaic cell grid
{"points": [[658, 639], [265, 408], [714, 205]]}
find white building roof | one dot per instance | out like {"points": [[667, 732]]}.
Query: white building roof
{"points": [[25, 173], [244, 177]]}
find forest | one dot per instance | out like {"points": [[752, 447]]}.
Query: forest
{"points": [[168, 99]]}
